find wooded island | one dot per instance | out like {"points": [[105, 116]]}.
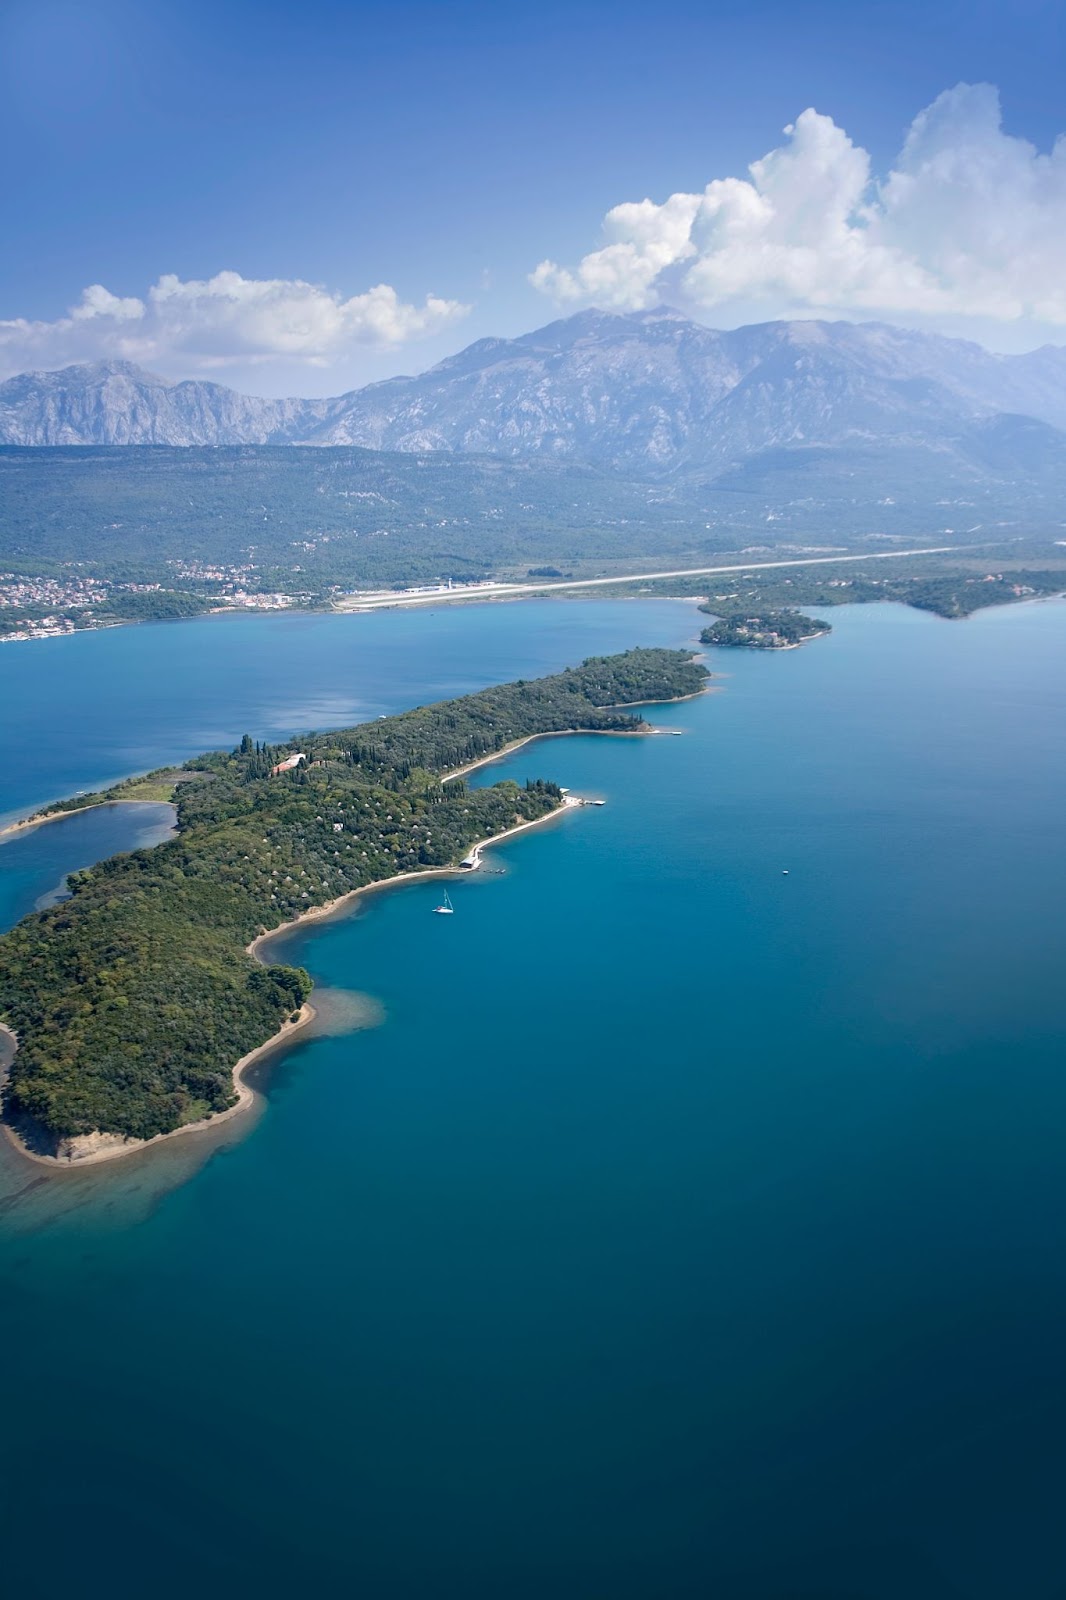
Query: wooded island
{"points": [[769, 630]]}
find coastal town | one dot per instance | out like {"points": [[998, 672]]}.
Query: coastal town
{"points": [[47, 607]]}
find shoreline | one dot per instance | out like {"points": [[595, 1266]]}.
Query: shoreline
{"points": [[530, 738], [566, 733], [335, 909], [116, 1145], [23, 823], [774, 649]]}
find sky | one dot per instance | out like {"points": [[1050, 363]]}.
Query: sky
{"points": [[301, 198]]}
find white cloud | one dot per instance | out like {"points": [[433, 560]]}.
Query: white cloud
{"points": [[968, 222], [224, 320], [96, 301], [646, 239]]}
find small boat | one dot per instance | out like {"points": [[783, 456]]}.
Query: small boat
{"points": [[446, 909]]}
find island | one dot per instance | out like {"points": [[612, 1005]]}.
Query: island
{"points": [[134, 1001], [768, 630]]}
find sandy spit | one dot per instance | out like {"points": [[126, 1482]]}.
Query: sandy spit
{"points": [[62, 816]]}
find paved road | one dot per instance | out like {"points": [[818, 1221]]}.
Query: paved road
{"points": [[497, 591]]}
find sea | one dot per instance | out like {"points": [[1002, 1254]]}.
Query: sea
{"points": [[684, 1217]]}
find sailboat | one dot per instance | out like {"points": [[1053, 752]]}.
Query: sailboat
{"points": [[446, 909]]}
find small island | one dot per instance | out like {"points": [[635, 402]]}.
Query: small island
{"points": [[134, 1001], [767, 630]]}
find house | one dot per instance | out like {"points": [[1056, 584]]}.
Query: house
{"points": [[288, 764]]}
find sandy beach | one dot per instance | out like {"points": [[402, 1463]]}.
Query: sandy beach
{"points": [[565, 733], [91, 1149], [94, 1148], [75, 811], [337, 908]]}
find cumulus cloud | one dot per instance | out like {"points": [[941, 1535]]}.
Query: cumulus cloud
{"points": [[227, 319], [969, 221]]}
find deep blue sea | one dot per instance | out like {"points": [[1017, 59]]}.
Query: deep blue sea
{"points": [[687, 1215]]}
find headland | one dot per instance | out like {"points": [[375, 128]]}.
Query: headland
{"points": [[132, 1000]]}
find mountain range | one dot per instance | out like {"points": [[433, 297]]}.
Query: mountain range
{"points": [[650, 394]]}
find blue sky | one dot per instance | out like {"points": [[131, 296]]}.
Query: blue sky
{"points": [[450, 149]]}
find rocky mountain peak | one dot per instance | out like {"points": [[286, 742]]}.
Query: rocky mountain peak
{"points": [[647, 392]]}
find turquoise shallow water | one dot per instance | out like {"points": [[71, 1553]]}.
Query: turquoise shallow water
{"points": [[683, 1228]]}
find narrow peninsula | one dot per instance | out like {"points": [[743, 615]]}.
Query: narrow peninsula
{"points": [[133, 1001]]}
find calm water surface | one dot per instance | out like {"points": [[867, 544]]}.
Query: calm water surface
{"points": [[684, 1228]]}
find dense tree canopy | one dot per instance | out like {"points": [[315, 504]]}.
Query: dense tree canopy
{"points": [[766, 630], [133, 999]]}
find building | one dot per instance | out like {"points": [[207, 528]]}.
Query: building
{"points": [[288, 764]]}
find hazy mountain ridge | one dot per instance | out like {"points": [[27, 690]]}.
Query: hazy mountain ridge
{"points": [[116, 402], [649, 394], [652, 393]]}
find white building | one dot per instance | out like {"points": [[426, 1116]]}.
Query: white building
{"points": [[288, 764]]}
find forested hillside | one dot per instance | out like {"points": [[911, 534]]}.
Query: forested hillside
{"points": [[305, 520], [600, 438]]}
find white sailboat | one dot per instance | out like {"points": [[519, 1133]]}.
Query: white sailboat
{"points": [[446, 909]]}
